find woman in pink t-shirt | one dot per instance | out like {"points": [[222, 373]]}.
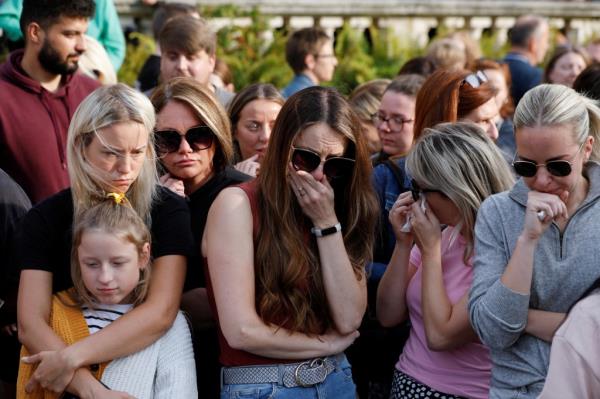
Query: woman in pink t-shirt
{"points": [[455, 166]]}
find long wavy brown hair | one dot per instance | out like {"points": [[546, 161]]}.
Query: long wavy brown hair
{"points": [[289, 285]]}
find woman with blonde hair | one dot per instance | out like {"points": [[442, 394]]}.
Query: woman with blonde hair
{"points": [[110, 151], [448, 53], [95, 62], [454, 167], [532, 260], [365, 101], [303, 232], [193, 143]]}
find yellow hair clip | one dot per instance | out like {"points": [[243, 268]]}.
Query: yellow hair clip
{"points": [[117, 197]]}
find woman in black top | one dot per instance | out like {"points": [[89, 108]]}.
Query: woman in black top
{"points": [[194, 146], [109, 150]]}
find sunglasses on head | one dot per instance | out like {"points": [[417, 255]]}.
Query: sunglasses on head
{"points": [[475, 79], [334, 167], [558, 168], [416, 190], [198, 138]]}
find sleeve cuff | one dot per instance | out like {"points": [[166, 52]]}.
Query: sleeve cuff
{"points": [[507, 305]]}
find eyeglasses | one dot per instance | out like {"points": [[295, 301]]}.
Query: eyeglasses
{"points": [[559, 168], [416, 191], [395, 122], [325, 56], [198, 137], [334, 167], [475, 79]]}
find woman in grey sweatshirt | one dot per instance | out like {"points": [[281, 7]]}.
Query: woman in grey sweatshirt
{"points": [[534, 245]]}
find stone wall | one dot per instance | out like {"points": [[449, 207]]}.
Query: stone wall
{"points": [[581, 19]]}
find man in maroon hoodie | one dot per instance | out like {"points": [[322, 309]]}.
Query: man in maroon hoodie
{"points": [[39, 92]]}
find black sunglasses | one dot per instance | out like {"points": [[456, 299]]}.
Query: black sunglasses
{"points": [[334, 167], [416, 190], [558, 168], [475, 79], [169, 140]]}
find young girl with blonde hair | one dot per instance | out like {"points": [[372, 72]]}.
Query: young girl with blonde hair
{"points": [[110, 269]]}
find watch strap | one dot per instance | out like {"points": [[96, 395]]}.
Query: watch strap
{"points": [[326, 231]]}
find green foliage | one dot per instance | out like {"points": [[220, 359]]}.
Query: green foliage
{"points": [[355, 66], [361, 61], [251, 54], [135, 56], [256, 53], [492, 48]]}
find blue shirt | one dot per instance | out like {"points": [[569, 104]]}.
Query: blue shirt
{"points": [[524, 75], [387, 189], [300, 81]]}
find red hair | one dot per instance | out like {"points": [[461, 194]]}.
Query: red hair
{"points": [[445, 97]]}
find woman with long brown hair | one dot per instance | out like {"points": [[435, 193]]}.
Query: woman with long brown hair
{"points": [[292, 294], [252, 113]]}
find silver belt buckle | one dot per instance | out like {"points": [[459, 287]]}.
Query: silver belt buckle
{"points": [[310, 373]]}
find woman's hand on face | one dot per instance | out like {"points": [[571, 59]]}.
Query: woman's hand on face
{"points": [[173, 184], [554, 207], [54, 371], [398, 217], [426, 228], [315, 198], [338, 342], [249, 166]]}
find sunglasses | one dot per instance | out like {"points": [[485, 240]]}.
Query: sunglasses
{"points": [[558, 168], [416, 190], [169, 140], [333, 168], [475, 79]]}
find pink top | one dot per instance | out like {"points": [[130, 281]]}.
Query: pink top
{"points": [[464, 371]]}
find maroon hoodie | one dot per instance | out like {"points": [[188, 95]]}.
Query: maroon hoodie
{"points": [[33, 127]]}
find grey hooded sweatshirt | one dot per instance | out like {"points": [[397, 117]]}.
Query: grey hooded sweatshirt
{"points": [[564, 266]]}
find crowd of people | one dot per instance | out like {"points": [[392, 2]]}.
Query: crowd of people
{"points": [[424, 237]]}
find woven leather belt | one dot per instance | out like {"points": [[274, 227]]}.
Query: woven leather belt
{"points": [[304, 374]]}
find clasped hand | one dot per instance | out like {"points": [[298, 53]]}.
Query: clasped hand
{"points": [[553, 206], [54, 371]]}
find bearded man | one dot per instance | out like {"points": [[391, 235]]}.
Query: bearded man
{"points": [[39, 92]]}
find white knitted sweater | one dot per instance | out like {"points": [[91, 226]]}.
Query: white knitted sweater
{"points": [[165, 369]]}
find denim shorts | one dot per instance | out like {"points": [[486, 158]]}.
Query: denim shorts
{"points": [[338, 385]]}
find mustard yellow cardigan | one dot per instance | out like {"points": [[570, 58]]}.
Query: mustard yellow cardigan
{"points": [[66, 320]]}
